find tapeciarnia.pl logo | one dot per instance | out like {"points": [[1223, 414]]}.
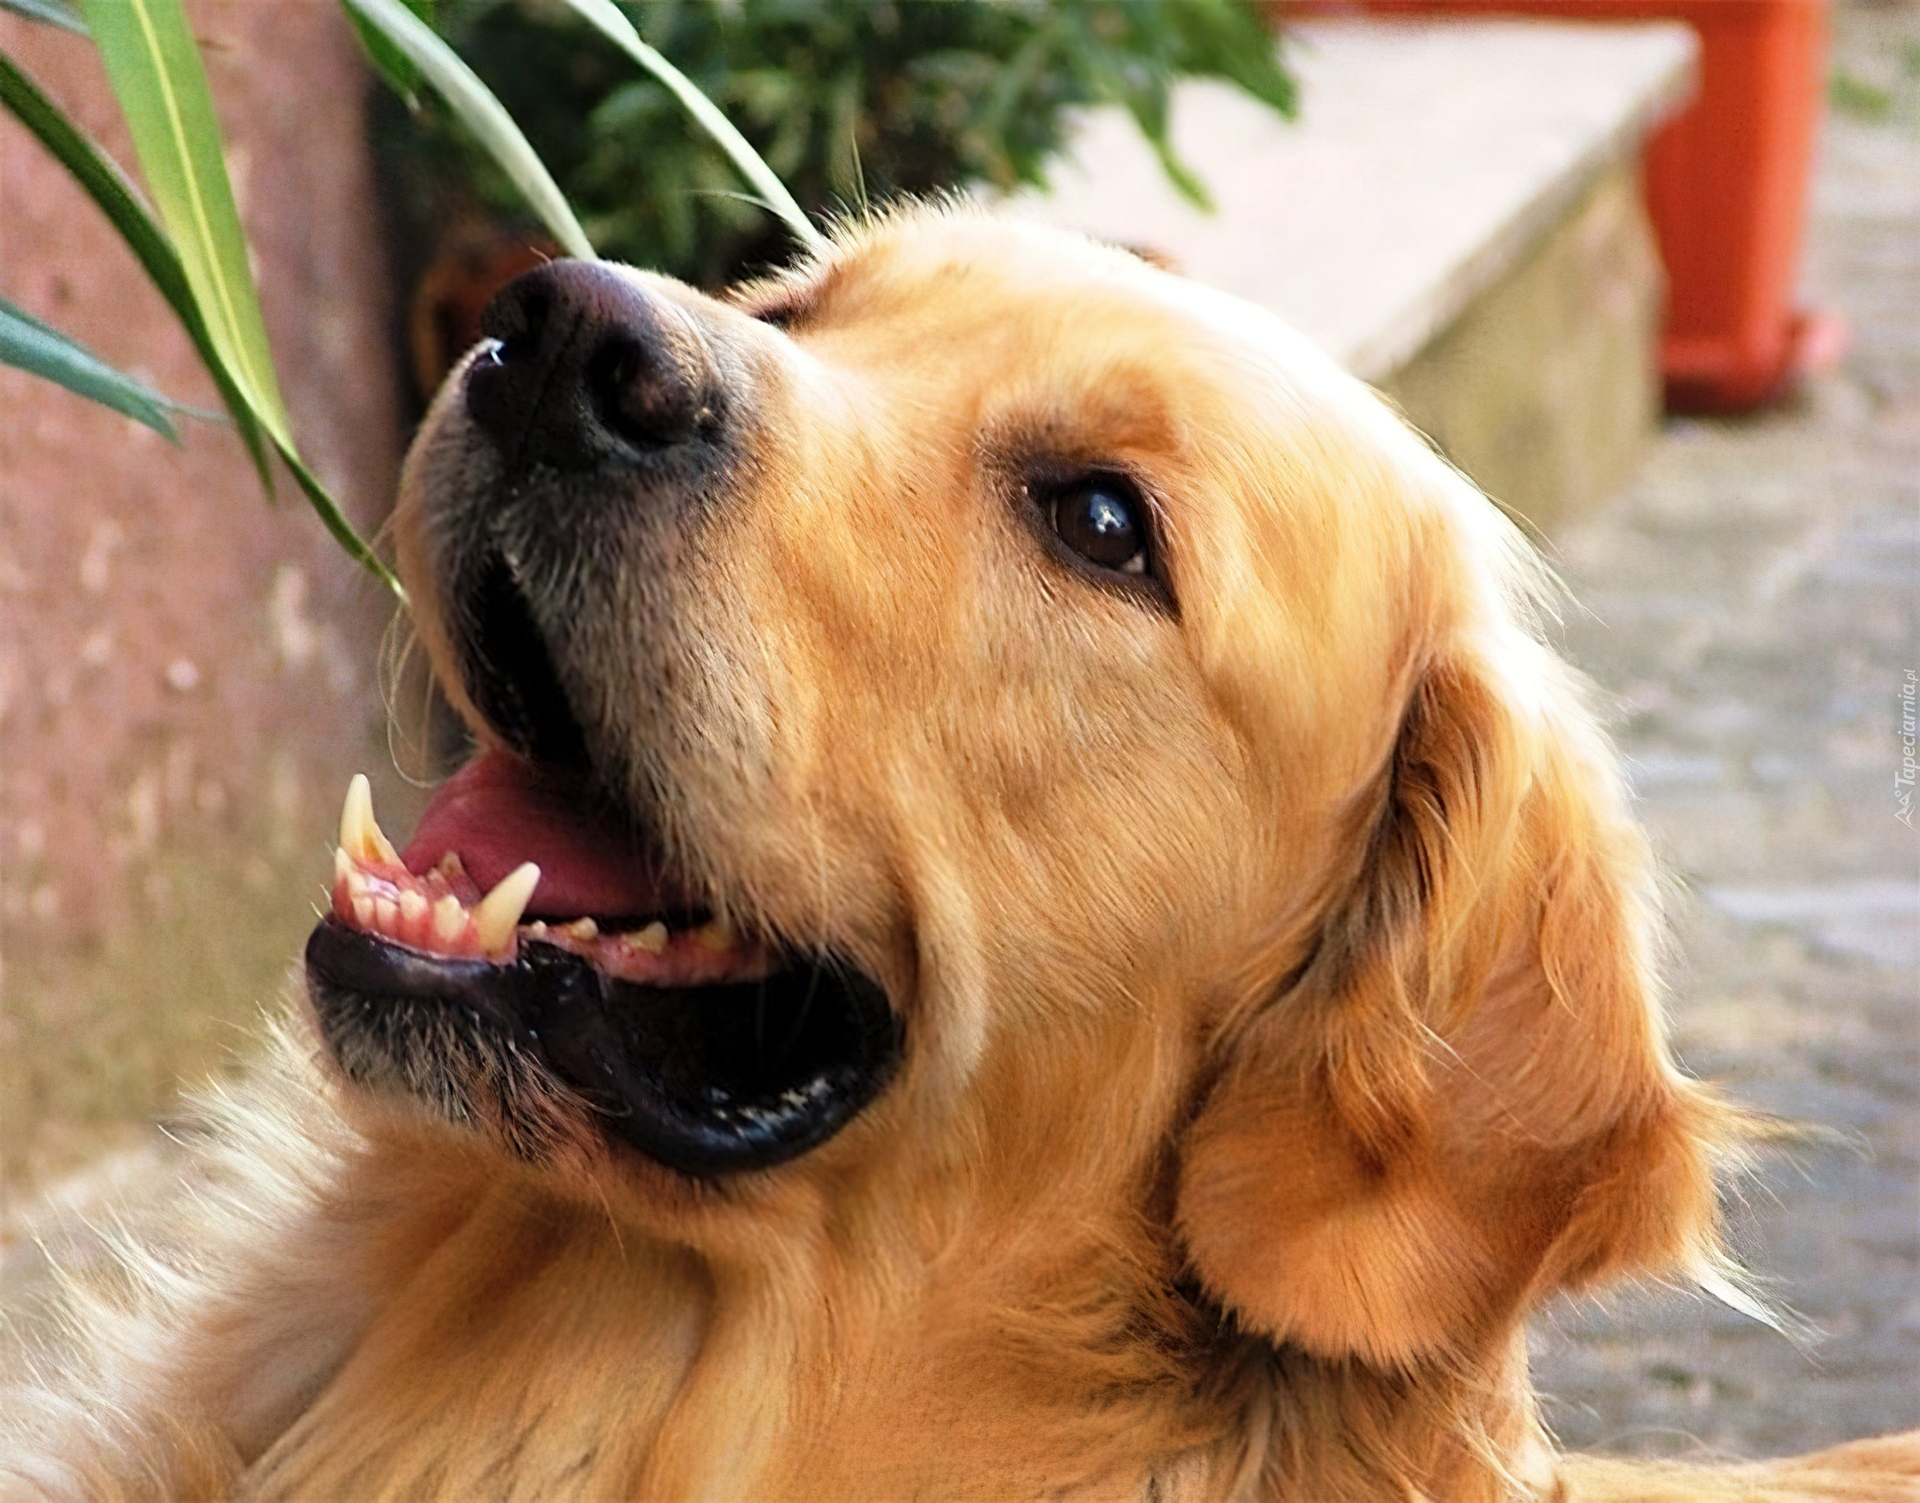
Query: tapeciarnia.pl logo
{"points": [[1903, 779]]}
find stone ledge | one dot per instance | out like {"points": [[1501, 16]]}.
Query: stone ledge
{"points": [[1432, 164]]}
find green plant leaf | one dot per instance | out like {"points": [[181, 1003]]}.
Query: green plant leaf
{"points": [[52, 12], [117, 198], [199, 261], [603, 15], [156, 74], [336, 523], [393, 65], [44, 351], [478, 110]]}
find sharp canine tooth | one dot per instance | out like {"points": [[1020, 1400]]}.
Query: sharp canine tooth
{"points": [[355, 814], [652, 939], [716, 934], [360, 835], [449, 919], [499, 911]]}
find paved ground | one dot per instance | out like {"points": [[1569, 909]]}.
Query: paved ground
{"points": [[1752, 606]]}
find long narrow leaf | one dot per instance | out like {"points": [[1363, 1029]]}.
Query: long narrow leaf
{"points": [[389, 61], [41, 350], [117, 198], [154, 67], [478, 110], [336, 523], [603, 15], [53, 12]]}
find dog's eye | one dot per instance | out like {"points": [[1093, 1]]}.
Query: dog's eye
{"points": [[1104, 521]]}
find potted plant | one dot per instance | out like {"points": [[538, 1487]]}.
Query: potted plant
{"points": [[848, 102]]}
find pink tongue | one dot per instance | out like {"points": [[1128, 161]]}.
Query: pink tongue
{"points": [[497, 812]]}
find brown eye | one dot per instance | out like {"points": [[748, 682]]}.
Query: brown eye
{"points": [[1104, 521]]}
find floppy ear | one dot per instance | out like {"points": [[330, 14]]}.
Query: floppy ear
{"points": [[1464, 1099]]}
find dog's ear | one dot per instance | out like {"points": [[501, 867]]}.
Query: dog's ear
{"points": [[1463, 1099]]}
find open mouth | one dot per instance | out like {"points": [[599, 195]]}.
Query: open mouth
{"points": [[530, 933]]}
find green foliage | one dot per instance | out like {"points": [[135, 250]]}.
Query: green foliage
{"points": [[1853, 95], [154, 66], [52, 12], [845, 99], [43, 351], [426, 57], [606, 17], [193, 249], [117, 198], [389, 59]]}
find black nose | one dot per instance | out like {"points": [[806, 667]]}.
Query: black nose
{"points": [[589, 365]]}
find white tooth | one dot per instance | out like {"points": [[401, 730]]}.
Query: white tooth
{"points": [[386, 914], [652, 939], [538, 928], [449, 919], [413, 906], [355, 814], [362, 912], [582, 929], [342, 867], [451, 866], [717, 934], [360, 835], [499, 911]]}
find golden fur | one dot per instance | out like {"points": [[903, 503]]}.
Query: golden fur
{"points": [[1276, 962]]}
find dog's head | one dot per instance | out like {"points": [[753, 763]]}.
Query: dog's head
{"points": [[1009, 735]]}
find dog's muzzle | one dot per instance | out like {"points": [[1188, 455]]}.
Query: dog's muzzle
{"points": [[532, 957]]}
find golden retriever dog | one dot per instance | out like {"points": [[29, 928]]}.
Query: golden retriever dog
{"points": [[1033, 920]]}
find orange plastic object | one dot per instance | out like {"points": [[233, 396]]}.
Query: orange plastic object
{"points": [[1727, 182]]}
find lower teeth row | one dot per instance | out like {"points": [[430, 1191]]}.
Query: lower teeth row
{"points": [[652, 938]]}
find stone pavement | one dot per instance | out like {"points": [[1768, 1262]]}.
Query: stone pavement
{"points": [[1749, 603]]}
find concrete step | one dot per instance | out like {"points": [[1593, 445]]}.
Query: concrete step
{"points": [[1455, 217]]}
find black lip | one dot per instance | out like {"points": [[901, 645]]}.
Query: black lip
{"points": [[706, 1080]]}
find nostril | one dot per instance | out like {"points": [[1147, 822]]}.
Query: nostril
{"points": [[525, 324], [494, 389], [637, 395], [517, 316], [504, 378], [612, 368]]}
